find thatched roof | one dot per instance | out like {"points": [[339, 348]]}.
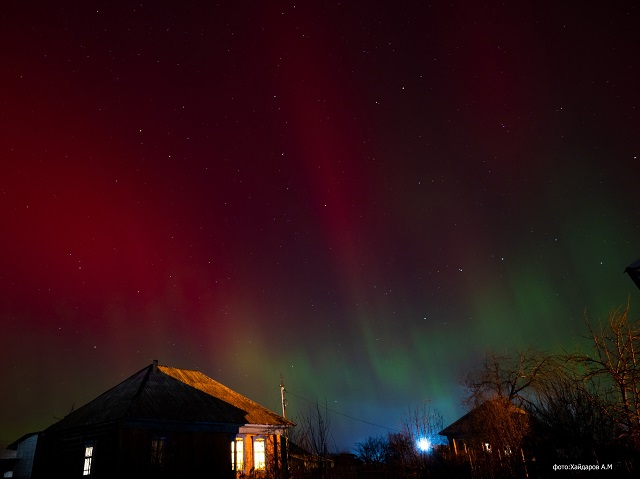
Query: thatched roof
{"points": [[162, 393]]}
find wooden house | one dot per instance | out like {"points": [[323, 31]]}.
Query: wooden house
{"points": [[164, 422], [492, 422]]}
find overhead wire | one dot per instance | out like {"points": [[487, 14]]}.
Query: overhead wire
{"points": [[327, 408]]}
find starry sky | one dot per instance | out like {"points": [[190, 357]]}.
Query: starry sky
{"points": [[363, 196]]}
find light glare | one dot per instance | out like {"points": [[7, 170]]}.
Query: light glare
{"points": [[424, 444]]}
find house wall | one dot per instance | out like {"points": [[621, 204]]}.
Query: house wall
{"points": [[184, 454], [127, 453], [25, 452], [272, 452], [61, 453]]}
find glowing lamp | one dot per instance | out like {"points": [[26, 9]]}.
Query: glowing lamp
{"points": [[424, 444]]}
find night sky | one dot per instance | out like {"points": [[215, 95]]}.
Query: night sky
{"points": [[363, 196]]}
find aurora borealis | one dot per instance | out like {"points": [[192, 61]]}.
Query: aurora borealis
{"points": [[362, 196]]}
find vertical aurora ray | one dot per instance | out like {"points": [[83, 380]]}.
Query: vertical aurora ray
{"points": [[363, 199]]}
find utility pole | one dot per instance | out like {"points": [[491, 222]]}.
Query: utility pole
{"points": [[284, 401], [284, 441]]}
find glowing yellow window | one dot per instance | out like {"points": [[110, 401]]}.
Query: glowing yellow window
{"points": [[259, 456], [237, 454]]}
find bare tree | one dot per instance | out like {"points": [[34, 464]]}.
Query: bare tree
{"points": [[569, 416], [313, 434], [509, 377], [499, 393], [615, 364], [402, 454], [373, 450], [422, 425], [412, 449]]}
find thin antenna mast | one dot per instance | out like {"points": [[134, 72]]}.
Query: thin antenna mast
{"points": [[284, 401], [284, 444]]}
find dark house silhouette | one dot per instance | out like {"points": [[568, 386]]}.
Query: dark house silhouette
{"points": [[476, 430], [164, 422], [633, 270]]}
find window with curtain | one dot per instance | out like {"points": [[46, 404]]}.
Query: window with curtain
{"points": [[259, 453], [237, 454]]}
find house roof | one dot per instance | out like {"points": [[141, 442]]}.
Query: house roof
{"points": [[460, 427], [472, 424], [633, 270], [14, 445], [171, 394]]}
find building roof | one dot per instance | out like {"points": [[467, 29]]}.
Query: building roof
{"points": [[473, 424], [14, 445], [162, 393], [462, 427], [633, 270]]}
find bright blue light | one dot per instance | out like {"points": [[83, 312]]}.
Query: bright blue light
{"points": [[424, 444]]}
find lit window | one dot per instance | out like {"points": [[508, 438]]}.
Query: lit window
{"points": [[88, 459], [237, 454], [259, 457], [158, 451]]}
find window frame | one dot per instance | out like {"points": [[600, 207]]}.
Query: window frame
{"points": [[89, 454], [259, 456], [158, 450], [237, 454]]}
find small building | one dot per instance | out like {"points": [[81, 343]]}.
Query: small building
{"points": [[492, 440], [462, 433], [24, 453], [8, 460], [164, 422], [485, 424], [302, 462]]}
